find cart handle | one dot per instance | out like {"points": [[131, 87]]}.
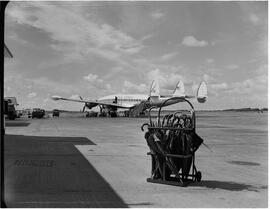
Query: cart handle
{"points": [[173, 98], [149, 114]]}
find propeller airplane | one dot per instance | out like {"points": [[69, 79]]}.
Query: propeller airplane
{"points": [[139, 102]]}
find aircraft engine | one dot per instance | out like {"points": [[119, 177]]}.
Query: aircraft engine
{"points": [[89, 105]]}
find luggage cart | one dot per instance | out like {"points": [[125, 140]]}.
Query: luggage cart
{"points": [[173, 141]]}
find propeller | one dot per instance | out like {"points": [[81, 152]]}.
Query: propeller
{"points": [[84, 108], [84, 104]]}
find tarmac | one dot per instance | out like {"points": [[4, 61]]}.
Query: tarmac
{"points": [[102, 162]]}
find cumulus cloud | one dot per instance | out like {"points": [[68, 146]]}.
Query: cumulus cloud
{"points": [[95, 81], [166, 80], [219, 86], [32, 95], [92, 78], [257, 85], [193, 42]]}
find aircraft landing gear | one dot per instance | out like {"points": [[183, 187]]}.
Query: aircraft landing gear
{"points": [[113, 114], [104, 112]]}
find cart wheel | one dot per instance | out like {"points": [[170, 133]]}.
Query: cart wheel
{"points": [[198, 176]]}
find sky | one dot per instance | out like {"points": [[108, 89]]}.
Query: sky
{"points": [[94, 49]]}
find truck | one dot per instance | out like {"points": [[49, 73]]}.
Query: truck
{"points": [[38, 113], [9, 107]]}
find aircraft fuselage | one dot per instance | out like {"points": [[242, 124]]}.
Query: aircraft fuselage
{"points": [[124, 99]]}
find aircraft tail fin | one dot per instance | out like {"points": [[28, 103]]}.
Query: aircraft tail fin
{"points": [[154, 89], [179, 90], [202, 92]]}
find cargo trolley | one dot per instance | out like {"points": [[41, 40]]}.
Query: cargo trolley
{"points": [[173, 142]]}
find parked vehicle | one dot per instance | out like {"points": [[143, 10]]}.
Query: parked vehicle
{"points": [[28, 113], [9, 110], [38, 113], [19, 113], [56, 113]]}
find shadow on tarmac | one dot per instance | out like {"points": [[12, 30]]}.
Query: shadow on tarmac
{"points": [[49, 172], [231, 186], [16, 123]]}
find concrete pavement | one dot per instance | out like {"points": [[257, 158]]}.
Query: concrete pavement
{"points": [[102, 162]]}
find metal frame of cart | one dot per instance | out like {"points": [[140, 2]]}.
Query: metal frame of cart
{"points": [[178, 179]]}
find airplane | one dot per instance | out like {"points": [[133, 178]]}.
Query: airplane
{"points": [[139, 102]]}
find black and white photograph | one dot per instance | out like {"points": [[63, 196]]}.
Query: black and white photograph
{"points": [[134, 104]]}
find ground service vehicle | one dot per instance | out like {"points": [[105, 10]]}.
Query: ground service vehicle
{"points": [[9, 109], [56, 113], [38, 113], [28, 113]]}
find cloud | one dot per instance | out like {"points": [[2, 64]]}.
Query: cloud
{"points": [[209, 79], [252, 86], [114, 71], [166, 80], [134, 88], [148, 36], [168, 56], [157, 14], [210, 61], [95, 81], [43, 89], [254, 19], [92, 78], [220, 86], [257, 85], [14, 37], [191, 41], [132, 49], [32, 94], [262, 70], [73, 34], [45, 84]]}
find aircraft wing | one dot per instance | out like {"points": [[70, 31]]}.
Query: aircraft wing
{"points": [[93, 102], [189, 96], [170, 95]]}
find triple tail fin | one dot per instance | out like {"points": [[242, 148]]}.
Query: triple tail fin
{"points": [[154, 94], [202, 92], [179, 90], [154, 89]]}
